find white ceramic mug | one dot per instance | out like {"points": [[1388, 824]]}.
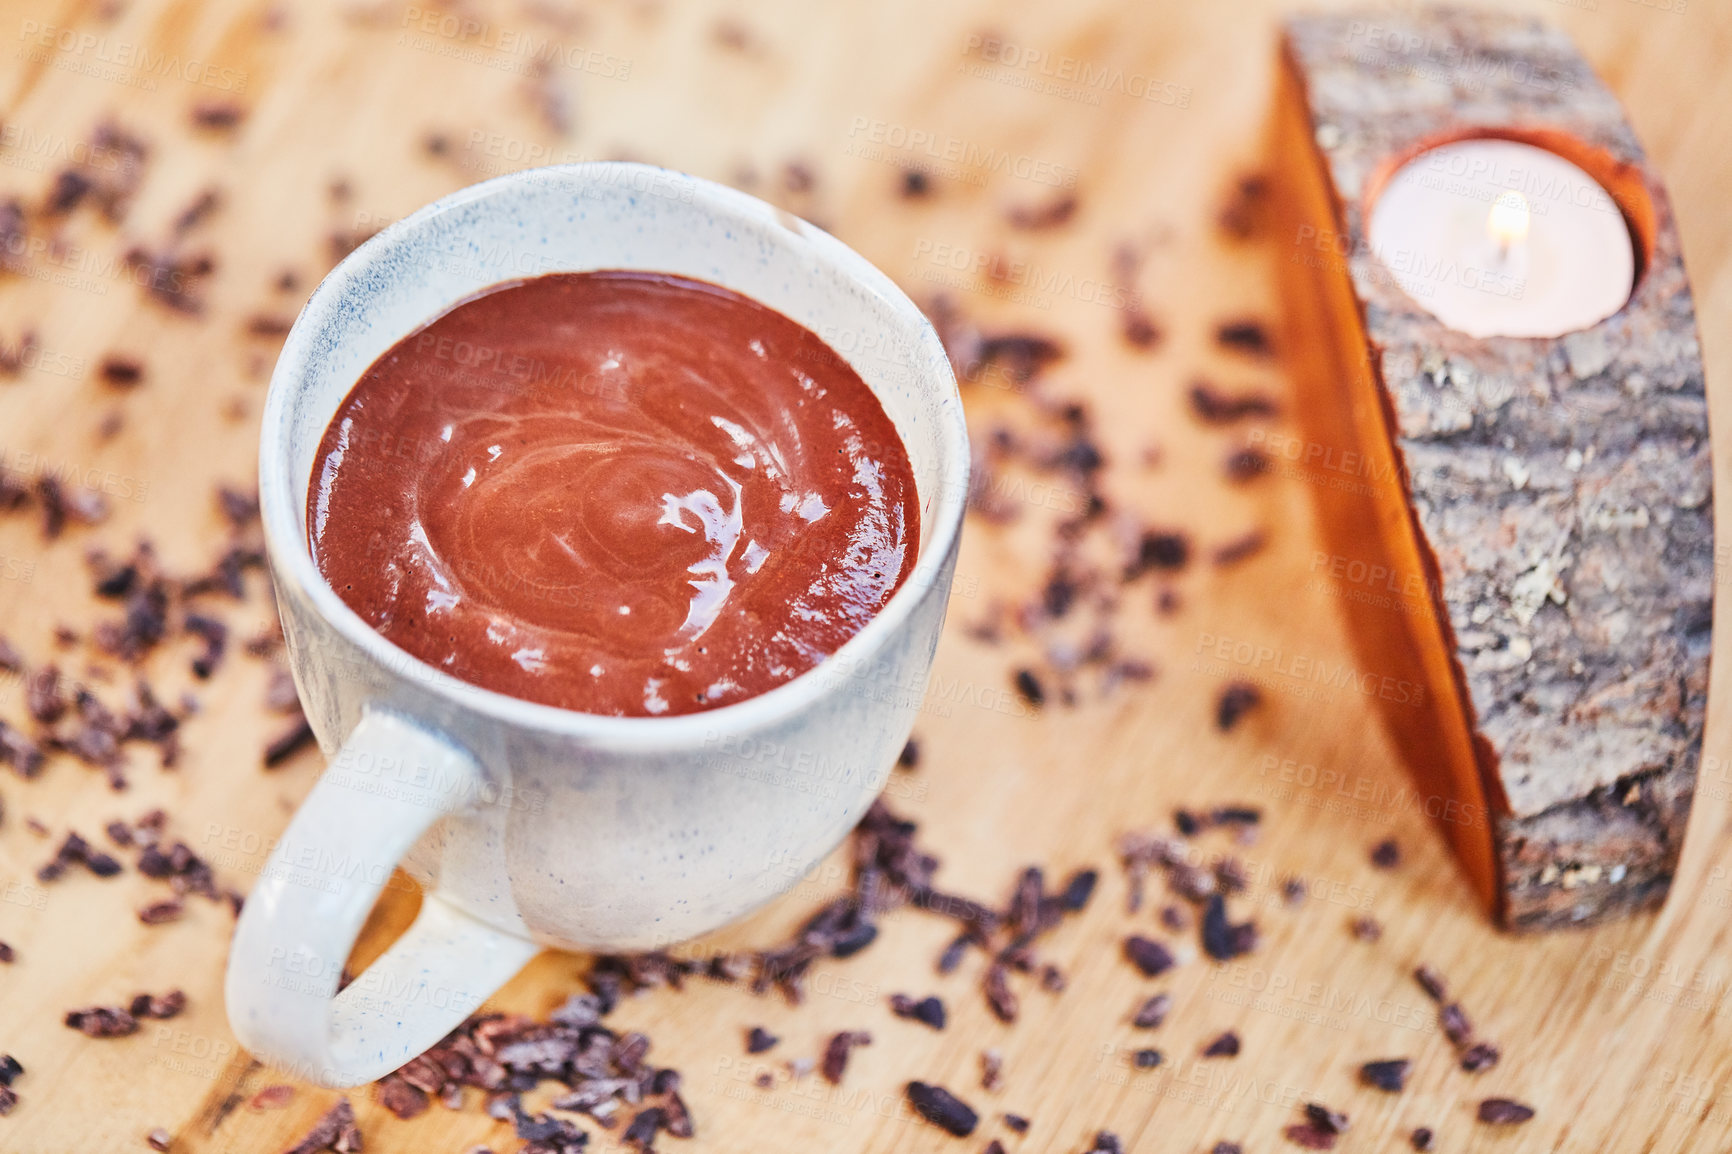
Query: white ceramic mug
{"points": [[528, 825]]}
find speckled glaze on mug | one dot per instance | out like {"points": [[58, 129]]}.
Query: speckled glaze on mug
{"points": [[527, 825]]}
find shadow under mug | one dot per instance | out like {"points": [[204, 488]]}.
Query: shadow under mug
{"points": [[529, 825]]}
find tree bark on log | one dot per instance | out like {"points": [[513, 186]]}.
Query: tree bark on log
{"points": [[1540, 509]]}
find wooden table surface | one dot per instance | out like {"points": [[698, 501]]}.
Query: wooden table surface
{"points": [[1619, 1036]]}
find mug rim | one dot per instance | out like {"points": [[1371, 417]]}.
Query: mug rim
{"points": [[281, 515]]}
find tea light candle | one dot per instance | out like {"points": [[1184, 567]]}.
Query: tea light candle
{"points": [[1498, 238]]}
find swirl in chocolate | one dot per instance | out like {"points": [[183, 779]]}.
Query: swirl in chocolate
{"points": [[615, 492]]}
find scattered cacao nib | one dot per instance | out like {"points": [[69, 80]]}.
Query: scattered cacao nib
{"points": [[994, 1147], [197, 212], [915, 184], [108, 179], [1239, 548], [1242, 215], [991, 1070], [1230, 876], [1223, 940], [1431, 982], [217, 115], [1000, 998], [7, 954], [1310, 1136], [1227, 1148], [928, 1011], [1453, 1021], [1421, 1139], [1504, 1112], [1389, 1074], [76, 851], [1078, 889], [759, 1039], [1148, 956], [1106, 1142], [102, 1022], [70, 188], [836, 1053], [1146, 1059], [166, 910], [159, 1139], [172, 278], [1479, 1056], [336, 1131], [13, 359], [1236, 699], [11, 661], [1293, 891], [1175, 918], [1017, 1123], [267, 325], [215, 636], [642, 1131], [273, 1097], [1245, 336], [1153, 1012], [797, 176], [20, 752], [1386, 854], [288, 743], [1029, 688], [952, 955], [162, 1006], [1052, 979], [1158, 551], [1247, 464], [61, 505], [1324, 1118], [1051, 214], [1214, 407], [942, 1108], [401, 1098], [1366, 929], [1023, 356], [122, 372], [909, 758], [1225, 1046], [1139, 329]]}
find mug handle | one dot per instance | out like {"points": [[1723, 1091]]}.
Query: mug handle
{"points": [[299, 924]]}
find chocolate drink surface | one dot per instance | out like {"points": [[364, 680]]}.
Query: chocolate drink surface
{"points": [[614, 492]]}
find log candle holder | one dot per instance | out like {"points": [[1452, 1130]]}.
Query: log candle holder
{"points": [[1535, 512]]}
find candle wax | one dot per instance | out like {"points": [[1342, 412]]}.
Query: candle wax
{"points": [[1498, 238]]}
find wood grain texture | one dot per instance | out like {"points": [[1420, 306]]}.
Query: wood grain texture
{"points": [[1617, 1035]]}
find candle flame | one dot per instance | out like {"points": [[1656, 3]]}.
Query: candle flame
{"points": [[1507, 223]]}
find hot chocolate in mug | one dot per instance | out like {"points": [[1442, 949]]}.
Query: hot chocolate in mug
{"points": [[530, 826]]}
